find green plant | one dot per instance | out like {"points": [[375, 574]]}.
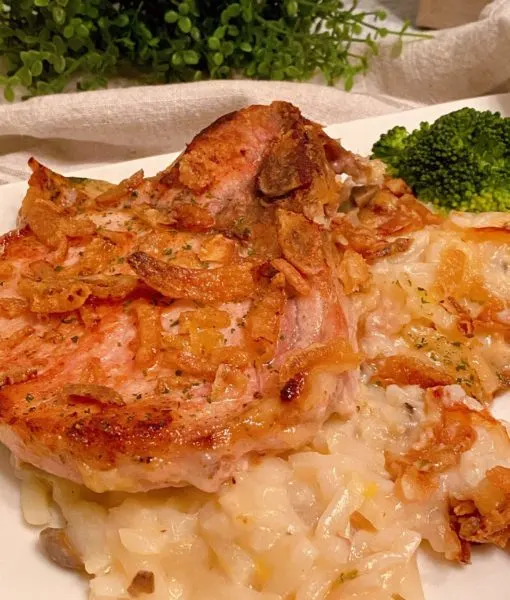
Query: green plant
{"points": [[461, 161], [47, 44]]}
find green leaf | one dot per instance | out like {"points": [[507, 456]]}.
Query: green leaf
{"points": [[60, 45], [177, 59], [59, 64], [292, 8], [184, 8], [59, 15], [246, 47], [184, 24], [36, 68], [214, 43], [171, 16], [122, 20], [25, 76], [82, 30], [41, 3], [218, 58], [9, 93], [68, 31], [191, 57]]}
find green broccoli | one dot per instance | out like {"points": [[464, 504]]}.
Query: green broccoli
{"points": [[460, 162]]}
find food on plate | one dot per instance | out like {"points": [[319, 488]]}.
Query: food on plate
{"points": [[461, 161], [159, 331], [278, 323]]}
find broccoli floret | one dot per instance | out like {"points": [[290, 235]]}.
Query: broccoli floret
{"points": [[461, 161], [390, 147]]}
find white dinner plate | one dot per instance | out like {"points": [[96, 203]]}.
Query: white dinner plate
{"points": [[27, 575]]}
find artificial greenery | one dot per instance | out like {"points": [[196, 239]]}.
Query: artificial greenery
{"points": [[48, 44]]}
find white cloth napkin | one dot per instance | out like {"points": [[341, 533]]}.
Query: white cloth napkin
{"points": [[73, 131]]}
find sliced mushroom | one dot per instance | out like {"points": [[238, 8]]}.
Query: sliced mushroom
{"points": [[57, 546], [142, 583]]}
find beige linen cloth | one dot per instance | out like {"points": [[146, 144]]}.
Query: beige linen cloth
{"points": [[73, 131]]}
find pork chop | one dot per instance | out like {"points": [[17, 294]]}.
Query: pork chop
{"points": [[161, 331]]}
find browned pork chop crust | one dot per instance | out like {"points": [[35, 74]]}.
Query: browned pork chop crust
{"points": [[161, 331]]}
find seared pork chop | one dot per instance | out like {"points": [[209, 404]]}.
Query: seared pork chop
{"points": [[161, 331]]}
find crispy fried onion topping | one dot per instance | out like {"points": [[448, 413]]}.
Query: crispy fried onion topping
{"points": [[53, 296], [366, 241], [17, 375], [125, 188], [460, 277], [149, 333], [199, 348], [293, 277], [264, 317], [402, 369], [451, 359], [10, 308], [335, 356], [288, 166], [448, 433], [483, 515], [52, 226], [300, 241], [192, 217], [98, 393], [229, 283], [60, 294], [353, 271], [396, 212]]}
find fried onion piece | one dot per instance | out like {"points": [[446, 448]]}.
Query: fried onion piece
{"points": [[116, 194], [200, 361], [96, 257], [17, 375], [204, 318], [300, 241], [367, 242], [483, 517], [230, 283], [448, 434], [116, 286], [149, 333], [101, 394], [292, 276], [353, 271], [288, 165], [402, 369], [51, 225], [53, 296], [230, 383], [264, 317], [336, 356], [462, 361], [192, 217], [10, 308], [396, 186], [217, 248]]}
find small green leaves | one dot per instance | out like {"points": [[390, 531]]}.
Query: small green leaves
{"points": [[184, 24], [171, 16], [54, 42], [59, 15]]}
